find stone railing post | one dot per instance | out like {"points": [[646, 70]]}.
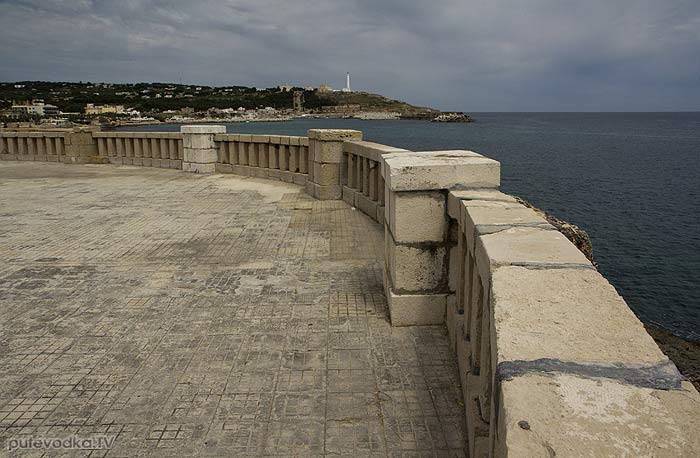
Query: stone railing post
{"points": [[326, 163], [81, 147], [200, 153], [418, 236]]}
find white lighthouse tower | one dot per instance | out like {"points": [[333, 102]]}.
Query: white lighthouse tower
{"points": [[347, 84]]}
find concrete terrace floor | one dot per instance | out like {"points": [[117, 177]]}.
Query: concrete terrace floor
{"points": [[218, 316]]}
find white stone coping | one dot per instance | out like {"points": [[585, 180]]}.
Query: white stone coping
{"points": [[44, 134], [203, 129], [370, 150], [433, 170], [269, 139], [167, 135]]}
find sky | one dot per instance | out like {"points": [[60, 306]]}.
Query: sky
{"points": [[466, 55]]}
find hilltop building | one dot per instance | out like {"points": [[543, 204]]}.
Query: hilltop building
{"points": [[324, 88], [92, 109], [35, 108]]}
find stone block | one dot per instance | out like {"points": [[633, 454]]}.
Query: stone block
{"points": [[574, 416], [337, 135], [299, 178], [578, 316], [416, 268], [202, 141], [477, 220], [416, 309], [380, 214], [260, 138], [201, 156], [526, 246], [440, 170], [273, 174], [326, 174], [176, 164], [327, 152], [203, 129], [366, 205], [370, 150], [333, 192], [287, 177], [477, 197], [349, 196], [241, 170], [417, 216], [223, 168]]}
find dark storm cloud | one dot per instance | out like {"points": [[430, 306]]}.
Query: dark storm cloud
{"points": [[454, 54]]}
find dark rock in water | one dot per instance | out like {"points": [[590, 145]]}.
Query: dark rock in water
{"points": [[575, 234], [684, 353], [452, 117]]}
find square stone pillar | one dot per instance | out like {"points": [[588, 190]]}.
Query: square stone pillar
{"points": [[326, 161], [200, 153], [81, 147], [418, 233]]}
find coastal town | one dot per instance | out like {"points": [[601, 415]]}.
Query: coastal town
{"points": [[113, 105]]}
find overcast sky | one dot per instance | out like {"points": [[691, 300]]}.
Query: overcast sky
{"points": [[467, 55]]}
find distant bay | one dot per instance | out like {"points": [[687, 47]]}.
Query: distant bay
{"points": [[632, 180]]}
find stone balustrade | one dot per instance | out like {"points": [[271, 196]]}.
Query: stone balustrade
{"points": [[552, 361], [284, 158], [148, 149], [47, 146]]}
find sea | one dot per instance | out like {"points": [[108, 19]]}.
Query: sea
{"points": [[631, 180]]}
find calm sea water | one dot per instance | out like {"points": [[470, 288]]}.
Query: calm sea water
{"points": [[631, 180]]}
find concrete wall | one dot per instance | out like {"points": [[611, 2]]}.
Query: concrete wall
{"points": [[552, 361]]}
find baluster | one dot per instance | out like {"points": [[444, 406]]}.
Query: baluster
{"points": [[110, 147], [282, 154], [294, 158], [60, 146], [50, 148], [172, 149], [303, 159], [41, 148], [233, 147], [272, 155], [262, 155], [243, 153]]}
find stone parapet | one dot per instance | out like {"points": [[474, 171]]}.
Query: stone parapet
{"points": [[200, 151], [552, 360], [326, 161], [420, 238]]}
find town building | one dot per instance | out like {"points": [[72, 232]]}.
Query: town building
{"points": [[92, 109], [35, 108]]}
